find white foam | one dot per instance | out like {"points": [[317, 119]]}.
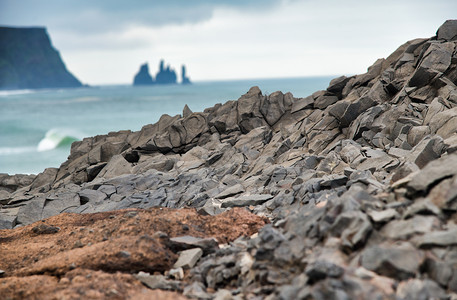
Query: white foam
{"points": [[56, 137], [16, 150]]}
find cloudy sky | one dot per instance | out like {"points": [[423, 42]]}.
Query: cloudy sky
{"points": [[105, 41]]}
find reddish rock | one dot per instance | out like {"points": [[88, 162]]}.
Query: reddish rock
{"points": [[94, 255]]}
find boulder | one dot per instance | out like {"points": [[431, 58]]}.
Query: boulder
{"points": [[447, 31], [401, 261]]}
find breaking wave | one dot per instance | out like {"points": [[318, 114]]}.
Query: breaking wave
{"points": [[56, 138]]}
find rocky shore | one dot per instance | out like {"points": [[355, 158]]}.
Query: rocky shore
{"points": [[349, 193]]}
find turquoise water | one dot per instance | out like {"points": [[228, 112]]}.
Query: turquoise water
{"points": [[37, 127]]}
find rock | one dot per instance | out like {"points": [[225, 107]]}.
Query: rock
{"points": [[196, 290], [115, 167], [432, 173], [383, 216], [353, 227], [405, 229], [143, 77], [186, 112], [95, 197], [188, 258], [208, 245], [447, 31], [273, 107], [231, 191], [302, 103], [401, 261], [420, 290], [157, 282], [322, 269], [246, 200], [437, 238], [45, 229], [7, 222], [337, 85]]}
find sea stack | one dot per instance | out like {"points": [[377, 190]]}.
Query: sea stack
{"points": [[29, 61], [165, 75], [143, 77], [184, 78]]}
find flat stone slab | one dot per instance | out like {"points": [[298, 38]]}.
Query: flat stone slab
{"points": [[188, 258], [246, 200]]}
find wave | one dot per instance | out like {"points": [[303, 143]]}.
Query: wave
{"points": [[16, 150], [15, 92], [56, 138]]}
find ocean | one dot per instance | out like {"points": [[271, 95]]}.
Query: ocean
{"points": [[37, 127]]}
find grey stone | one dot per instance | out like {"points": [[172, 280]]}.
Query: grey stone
{"points": [[273, 107], [7, 222], [231, 191], [116, 166], [405, 229], [188, 258], [432, 173], [337, 85], [353, 227], [32, 211], [186, 112], [59, 203], [324, 101], [417, 289], [95, 197], [208, 245], [383, 215], [447, 31], [437, 238], [398, 261], [157, 282], [246, 200], [196, 290], [321, 269], [302, 103]]}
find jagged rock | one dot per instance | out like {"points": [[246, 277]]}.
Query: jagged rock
{"points": [[188, 258], [405, 229], [7, 222], [185, 242], [246, 200], [437, 238], [420, 289], [115, 167], [447, 31], [186, 112], [432, 173], [400, 261]]}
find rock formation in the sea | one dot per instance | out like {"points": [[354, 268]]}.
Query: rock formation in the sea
{"points": [[143, 77], [29, 61], [184, 78], [358, 182], [165, 75]]}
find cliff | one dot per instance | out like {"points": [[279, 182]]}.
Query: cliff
{"points": [[358, 182], [28, 61]]}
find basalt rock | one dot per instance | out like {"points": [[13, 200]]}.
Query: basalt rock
{"points": [[358, 181]]}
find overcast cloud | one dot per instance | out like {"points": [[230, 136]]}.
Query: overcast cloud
{"points": [[105, 42]]}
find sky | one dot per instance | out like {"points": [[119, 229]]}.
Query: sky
{"points": [[106, 41]]}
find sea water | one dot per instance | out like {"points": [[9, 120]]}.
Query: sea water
{"points": [[38, 127]]}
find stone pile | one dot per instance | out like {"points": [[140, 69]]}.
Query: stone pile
{"points": [[359, 182]]}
